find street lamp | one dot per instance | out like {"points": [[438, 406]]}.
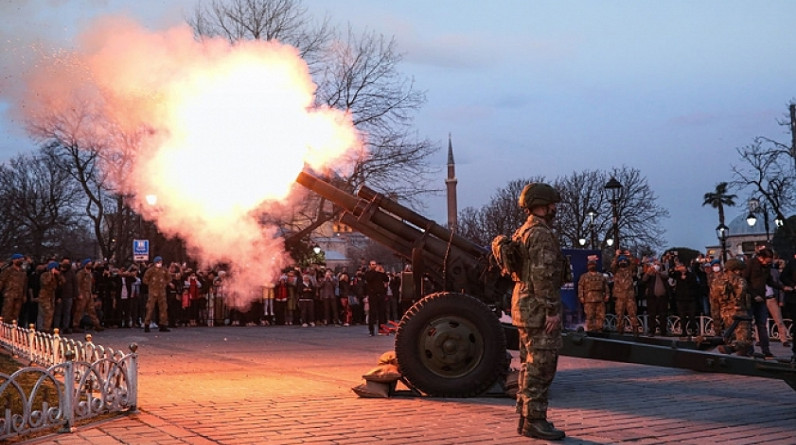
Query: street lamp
{"points": [[317, 249], [582, 241], [722, 232], [591, 213], [756, 207], [614, 189]]}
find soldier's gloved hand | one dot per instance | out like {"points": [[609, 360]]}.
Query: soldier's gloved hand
{"points": [[759, 299]]}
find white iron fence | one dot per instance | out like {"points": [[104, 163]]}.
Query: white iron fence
{"points": [[68, 381]]}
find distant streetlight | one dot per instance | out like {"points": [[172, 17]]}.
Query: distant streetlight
{"points": [[317, 249], [582, 241], [756, 207], [614, 189], [722, 232], [591, 213], [152, 199], [609, 242]]}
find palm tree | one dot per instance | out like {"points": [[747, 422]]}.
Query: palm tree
{"points": [[718, 199]]}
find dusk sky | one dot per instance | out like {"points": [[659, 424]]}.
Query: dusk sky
{"points": [[538, 88]]}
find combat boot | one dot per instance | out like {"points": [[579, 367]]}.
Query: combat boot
{"points": [[541, 429], [521, 425]]}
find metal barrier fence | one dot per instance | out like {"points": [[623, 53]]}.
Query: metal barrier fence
{"points": [[705, 327], [73, 381]]}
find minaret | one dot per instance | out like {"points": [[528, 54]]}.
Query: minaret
{"points": [[450, 183]]}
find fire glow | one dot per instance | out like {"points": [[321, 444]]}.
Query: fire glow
{"points": [[229, 128]]}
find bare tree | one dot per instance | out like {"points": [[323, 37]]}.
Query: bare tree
{"points": [[38, 202], [639, 213]]}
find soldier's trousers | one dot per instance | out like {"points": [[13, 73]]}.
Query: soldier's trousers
{"points": [[12, 305], [537, 370], [595, 316], [159, 299], [626, 305], [743, 332], [85, 304], [715, 314], [47, 310]]}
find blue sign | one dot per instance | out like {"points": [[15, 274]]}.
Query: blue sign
{"points": [[141, 250]]}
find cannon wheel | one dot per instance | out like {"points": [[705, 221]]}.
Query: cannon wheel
{"points": [[451, 345]]}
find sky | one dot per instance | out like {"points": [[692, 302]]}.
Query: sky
{"points": [[530, 88]]}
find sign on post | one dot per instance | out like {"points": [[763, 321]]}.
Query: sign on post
{"points": [[141, 250]]}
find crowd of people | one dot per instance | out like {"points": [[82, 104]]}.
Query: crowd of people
{"points": [[74, 296], [759, 285]]}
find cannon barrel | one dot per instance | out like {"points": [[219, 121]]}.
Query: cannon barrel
{"points": [[454, 262]]}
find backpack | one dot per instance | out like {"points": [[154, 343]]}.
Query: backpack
{"points": [[507, 254]]}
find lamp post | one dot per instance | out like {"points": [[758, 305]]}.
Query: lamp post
{"points": [[591, 213], [756, 207], [722, 232], [614, 189]]}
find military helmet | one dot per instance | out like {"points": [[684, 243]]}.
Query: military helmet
{"points": [[538, 194], [734, 264]]}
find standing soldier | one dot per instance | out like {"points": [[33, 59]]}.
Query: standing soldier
{"points": [[156, 278], [84, 302], [13, 283], [623, 267], [593, 293], [536, 308], [50, 280], [733, 290], [715, 298]]}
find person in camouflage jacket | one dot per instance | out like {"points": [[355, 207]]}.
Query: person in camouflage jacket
{"points": [[733, 294], [536, 308], [13, 285]]}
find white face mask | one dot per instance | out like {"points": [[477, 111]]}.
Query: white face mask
{"points": [[158, 264], [656, 267], [716, 268]]}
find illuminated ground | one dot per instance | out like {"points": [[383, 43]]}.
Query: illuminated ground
{"points": [[287, 385]]}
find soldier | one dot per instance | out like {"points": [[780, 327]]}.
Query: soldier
{"points": [[156, 278], [50, 280], [733, 291], [593, 293], [623, 266], [715, 298], [14, 283], [84, 302], [536, 308]]}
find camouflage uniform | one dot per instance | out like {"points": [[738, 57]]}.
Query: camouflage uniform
{"points": [[49, 284], [734, 300], [84, 303], [593, 291], [536, 296], [156, 279], [715, 297], [14, 282], [625, 297]]}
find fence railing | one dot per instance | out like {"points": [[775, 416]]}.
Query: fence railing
{"points": [[704, 326], [68, 381]]}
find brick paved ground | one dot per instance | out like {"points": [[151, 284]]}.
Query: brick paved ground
{"points": [[292, 385]]}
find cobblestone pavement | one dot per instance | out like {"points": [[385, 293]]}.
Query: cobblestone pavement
{"points": [[292, 385]]}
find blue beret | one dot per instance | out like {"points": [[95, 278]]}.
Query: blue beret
{"points": [[17, 256], [52, 265], [622, 258], [714, 262], [157, 260], [84, 262]]}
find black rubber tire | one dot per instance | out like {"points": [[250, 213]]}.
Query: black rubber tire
{"points": [[451, 345]]}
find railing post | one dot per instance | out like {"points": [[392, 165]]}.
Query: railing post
{"points": [[132, 377], [69, 393]]}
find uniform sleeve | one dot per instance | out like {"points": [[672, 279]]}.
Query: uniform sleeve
{"points": [[545, 269]]}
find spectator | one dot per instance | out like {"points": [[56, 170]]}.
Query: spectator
{"points": [[775, 300], [65, 297], [376, 289], [50, 281], [327, 288], [269, 295], [13, 286], [623, 267], [788, 278], [84, 302], [156, 278], [306, 301], [344, 294], [394, 297], [658, 290], [593, 293], [715, 298], [686, 294], [758, 276], [280, 301]]}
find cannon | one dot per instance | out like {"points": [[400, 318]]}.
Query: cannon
{"points": [[452, 343]]}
